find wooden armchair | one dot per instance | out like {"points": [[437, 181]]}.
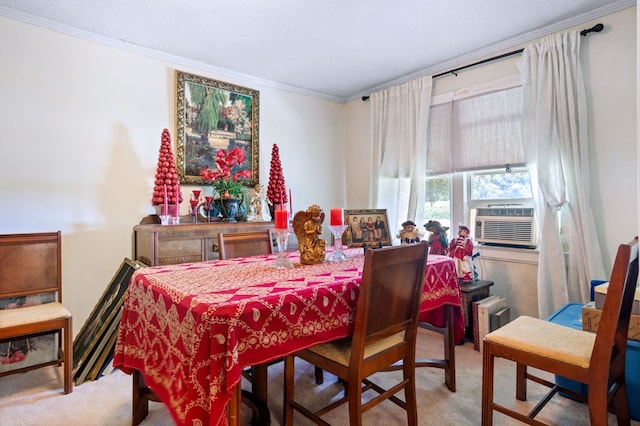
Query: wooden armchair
{"points": [[597, 360], [31, 268], [385, 332]]}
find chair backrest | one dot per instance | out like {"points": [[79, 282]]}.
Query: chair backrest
{"points": [[31, 264], [240, 244], [390, 292], [611, 338]]}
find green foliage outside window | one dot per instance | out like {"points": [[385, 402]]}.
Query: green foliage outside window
{"points": [[501, 186], [437, 205]]}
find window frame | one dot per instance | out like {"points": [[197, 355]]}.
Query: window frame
{"points": [[524, 202]]}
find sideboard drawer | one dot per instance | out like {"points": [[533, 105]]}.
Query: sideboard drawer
{"points": [[182, 247], [155, 244]]}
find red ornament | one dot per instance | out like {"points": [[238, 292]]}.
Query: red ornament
{"points": [[166, 173], [276, 190]]}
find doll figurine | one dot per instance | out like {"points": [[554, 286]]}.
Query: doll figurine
{"points": [[259, 205], [461, 250], [438, 241], [409, 233]]}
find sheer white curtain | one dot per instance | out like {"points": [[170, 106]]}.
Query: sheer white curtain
{"points": [[556, 147], [399, 116]]}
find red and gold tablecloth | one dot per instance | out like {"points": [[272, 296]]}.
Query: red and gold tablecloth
{"points": [[191, 328]]}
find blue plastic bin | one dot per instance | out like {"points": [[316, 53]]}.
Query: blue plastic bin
{"points": [[570, 315]]}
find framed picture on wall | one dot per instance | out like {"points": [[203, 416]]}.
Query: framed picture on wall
{"points": [[366, 227], [213, 115]]}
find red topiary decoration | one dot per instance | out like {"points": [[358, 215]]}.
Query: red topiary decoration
{"points": [[166, 174], [276, 191]]}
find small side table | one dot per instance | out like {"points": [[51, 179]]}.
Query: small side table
{"points": [[470, 292]]}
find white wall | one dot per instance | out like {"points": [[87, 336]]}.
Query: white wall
{"points": [[609, 63], [81, 125], [80, 133]]}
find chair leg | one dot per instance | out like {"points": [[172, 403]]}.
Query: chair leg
{"points": [[354, 395], [289, 370], [409, 374], [621, 406], [68, 357], [319, 376], [487, 385], [521, 382]]}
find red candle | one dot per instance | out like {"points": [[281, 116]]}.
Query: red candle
{"points": [[282, 219], [164, 204], [336, 217]]}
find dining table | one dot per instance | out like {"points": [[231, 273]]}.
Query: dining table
{"points": [[188, 330]]}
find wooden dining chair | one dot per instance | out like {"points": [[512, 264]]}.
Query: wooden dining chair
{"points": [[595, 359], [240, 244], [385, 330], [31, 270]]}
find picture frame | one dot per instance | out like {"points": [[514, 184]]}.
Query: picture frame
{"points": [[24, 352], [102, 321], [232, 120], [368, 227]]}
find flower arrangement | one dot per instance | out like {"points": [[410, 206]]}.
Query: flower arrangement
{"points": [[226, 183]]}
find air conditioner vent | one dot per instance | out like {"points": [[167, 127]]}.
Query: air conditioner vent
{"points": [[505, 226]]}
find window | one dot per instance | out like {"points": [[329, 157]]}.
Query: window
{"points": [[437, 204], [473, 137], [500, 185]]}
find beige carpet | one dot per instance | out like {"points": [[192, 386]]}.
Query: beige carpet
{"points": [[35, 398]]}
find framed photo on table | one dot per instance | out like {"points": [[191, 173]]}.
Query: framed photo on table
{"points": [[368, 227], [213, 115]]}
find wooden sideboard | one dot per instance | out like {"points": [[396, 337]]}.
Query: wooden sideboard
{"points": [[155, 244]]}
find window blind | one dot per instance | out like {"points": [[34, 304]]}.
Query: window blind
{"points": [[475, 133]]}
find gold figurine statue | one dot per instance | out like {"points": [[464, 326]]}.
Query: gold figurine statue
{"points": [[308, 226]]}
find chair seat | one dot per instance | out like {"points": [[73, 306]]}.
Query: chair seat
{"points": [[340, 350], [546, 339], [32, 314]]}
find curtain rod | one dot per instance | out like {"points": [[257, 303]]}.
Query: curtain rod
{"points": [[595, 29]]}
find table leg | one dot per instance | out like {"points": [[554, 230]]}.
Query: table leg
{"points": [[234, 407], [259, 381], [140, 402], [449, 350]]}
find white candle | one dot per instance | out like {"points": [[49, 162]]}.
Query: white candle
{"points": [[164, 204]]}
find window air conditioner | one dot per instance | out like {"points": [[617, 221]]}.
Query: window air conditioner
{"points": [[505, 226]]}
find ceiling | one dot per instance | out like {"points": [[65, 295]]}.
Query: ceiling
{"points": [[334, 49]]}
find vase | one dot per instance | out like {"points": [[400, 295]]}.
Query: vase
{"points": [[228, 208], [171, 210]]}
